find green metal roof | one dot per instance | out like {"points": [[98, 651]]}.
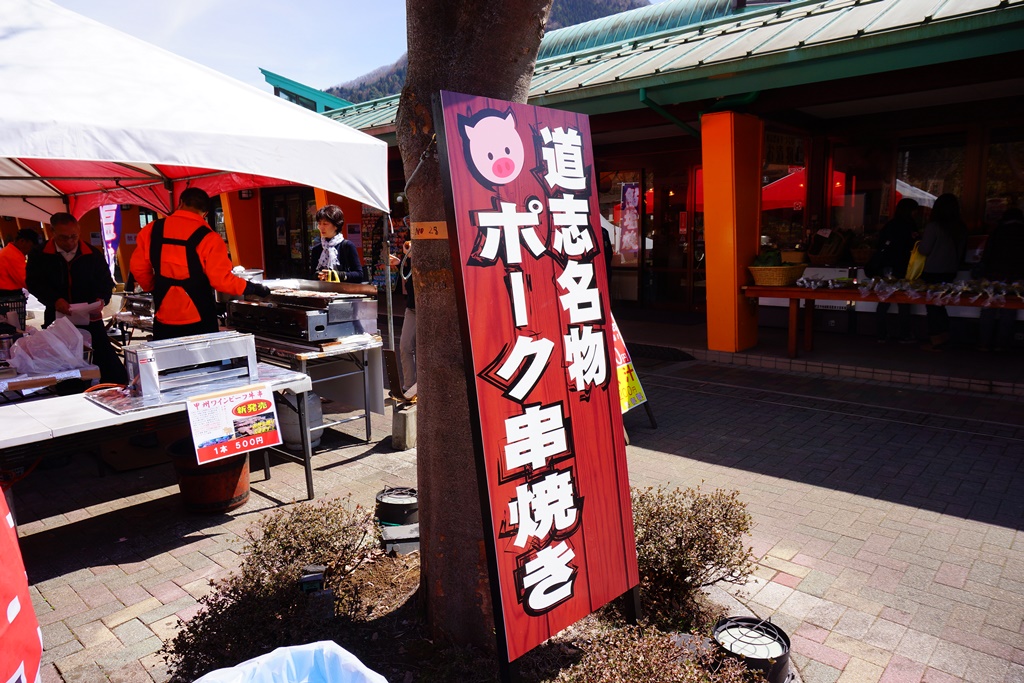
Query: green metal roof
{"points": [[366, 116], [797, 43], [324, 101], [643, 21], [781, 46]]}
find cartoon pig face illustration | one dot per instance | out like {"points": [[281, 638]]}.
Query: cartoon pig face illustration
{"points": [[495, 148]]}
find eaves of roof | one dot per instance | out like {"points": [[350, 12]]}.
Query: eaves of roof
{"points": [[795, 44], [782, 46]]}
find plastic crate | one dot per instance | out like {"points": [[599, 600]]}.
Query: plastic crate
{"points": [[13, 302]]}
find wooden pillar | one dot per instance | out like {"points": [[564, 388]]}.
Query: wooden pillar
{"points": [[732, 146]]}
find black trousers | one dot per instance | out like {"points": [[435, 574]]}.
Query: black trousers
{"points": [[162, 331], [104, 356]]}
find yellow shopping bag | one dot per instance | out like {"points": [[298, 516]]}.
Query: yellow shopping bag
{"points": [[916, 266]]}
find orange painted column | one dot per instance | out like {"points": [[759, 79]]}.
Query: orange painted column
{"points": [[352, 209], [245, 229], [731, 147]]}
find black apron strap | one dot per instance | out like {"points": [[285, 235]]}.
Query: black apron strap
{"points": [[196, 285]]}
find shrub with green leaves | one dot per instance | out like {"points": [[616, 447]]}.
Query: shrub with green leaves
{"points": [[687, 540], [260, 606], [634, 653]]}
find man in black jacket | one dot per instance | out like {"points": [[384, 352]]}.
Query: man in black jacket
{"points": [[68, 271]]}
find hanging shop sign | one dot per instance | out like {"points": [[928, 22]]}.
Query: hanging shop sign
{"points": [[532, 287], [231, 422]]}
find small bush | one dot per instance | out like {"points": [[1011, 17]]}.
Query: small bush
{"points": [[633, 654], [687, 540], [260, 607]]}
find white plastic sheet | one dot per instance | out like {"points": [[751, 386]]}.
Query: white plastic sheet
{"points": [[57, 348], [322, 662]]}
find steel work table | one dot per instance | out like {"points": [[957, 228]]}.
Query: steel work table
{"points": [[33, 429], [348, 370], [19, 383]]}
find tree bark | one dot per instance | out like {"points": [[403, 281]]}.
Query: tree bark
{"points": [[478, 47]]}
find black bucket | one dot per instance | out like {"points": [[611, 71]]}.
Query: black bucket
{"points": [[397, 506], [760, 644]]}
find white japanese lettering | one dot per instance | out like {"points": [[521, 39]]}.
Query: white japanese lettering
{"points": [[563, 155], [542, 506], [585, 356], [549, 578], [581, 299], [510, 227], [534, 436], [517, 285], [571, 217], [525, 348]]}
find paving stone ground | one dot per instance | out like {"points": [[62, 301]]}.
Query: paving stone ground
{"points": [[887, 525]]}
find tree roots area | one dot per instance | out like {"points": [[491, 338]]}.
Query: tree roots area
{"points": [[369, 602]]}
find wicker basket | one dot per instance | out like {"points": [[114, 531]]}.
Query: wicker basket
{"points": [[777, 276]]}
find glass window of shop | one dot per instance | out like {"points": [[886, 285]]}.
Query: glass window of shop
{"points": [[1004, 174], [927, 166], [783, 190], [623, 198], [859, 196], [289, 231], [667, 241]]}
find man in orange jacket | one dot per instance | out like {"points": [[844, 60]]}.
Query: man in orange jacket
{"points": [[181, 260], [12, 262]]}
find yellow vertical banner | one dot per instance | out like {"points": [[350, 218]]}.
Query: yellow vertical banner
{"points": [[631, 394]]}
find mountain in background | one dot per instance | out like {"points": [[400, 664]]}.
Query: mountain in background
{"points": [[388, 80]]}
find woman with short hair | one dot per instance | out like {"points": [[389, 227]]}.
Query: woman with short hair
{"points": [[335, 258]]}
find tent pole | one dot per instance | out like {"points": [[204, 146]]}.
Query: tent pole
{"points": [[386, 255]]}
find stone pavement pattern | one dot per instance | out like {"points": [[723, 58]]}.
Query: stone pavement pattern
{"points": [[887, 521]]}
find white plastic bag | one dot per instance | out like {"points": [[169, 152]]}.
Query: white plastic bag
{"points": [[322, 662], [55, 349]]}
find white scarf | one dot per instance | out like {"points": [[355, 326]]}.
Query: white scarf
{"points": [[329, 255]]}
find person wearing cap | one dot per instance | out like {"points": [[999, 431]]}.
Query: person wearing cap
{"points": [[182, 261]]}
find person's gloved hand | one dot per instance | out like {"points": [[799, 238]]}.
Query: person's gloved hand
{"points": [[256, 289]]}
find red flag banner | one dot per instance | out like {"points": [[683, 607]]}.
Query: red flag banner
{"points": [[532, 286]]}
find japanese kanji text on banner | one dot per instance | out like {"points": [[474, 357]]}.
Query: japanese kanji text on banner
{"points": [[631, 394], [533, 293], [228, 423]]}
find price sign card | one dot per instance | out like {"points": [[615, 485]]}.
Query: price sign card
{"points": [[231, 422]]}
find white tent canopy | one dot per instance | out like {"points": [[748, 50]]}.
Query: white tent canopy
{"points": [[93, 116]]}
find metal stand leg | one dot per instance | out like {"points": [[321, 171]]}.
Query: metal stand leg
{"points": [[634, 611], [307, 447], [366, 393], [650, 414]]}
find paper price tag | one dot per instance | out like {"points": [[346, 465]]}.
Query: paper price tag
{"points": [[429, 230]]}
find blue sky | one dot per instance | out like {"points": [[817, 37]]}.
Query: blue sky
{"points": [[319, 43], [316, 42]]}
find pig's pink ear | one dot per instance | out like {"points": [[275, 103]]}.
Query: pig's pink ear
{"points": [[510, 118], [469, 130]]}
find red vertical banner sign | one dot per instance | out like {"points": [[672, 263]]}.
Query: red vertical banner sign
{"points": [[533, 293]]}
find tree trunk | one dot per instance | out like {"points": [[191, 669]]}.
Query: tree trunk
{"points": [[487, 48]]}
